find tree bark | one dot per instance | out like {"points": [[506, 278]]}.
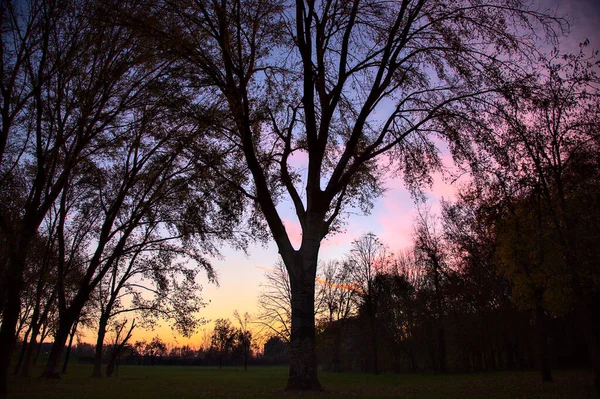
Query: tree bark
{"points": [[30, 349], [36, 322], [23, 351], [303, 360], [441, 348], [60, 339], [99, 347], [68, 354], [111, 366], [38, 349], [113, 361], [441, 352], [374, 338]]}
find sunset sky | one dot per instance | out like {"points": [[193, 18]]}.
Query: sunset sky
{"points": [[391, 219]]}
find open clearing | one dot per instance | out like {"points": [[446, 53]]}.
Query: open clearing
{"points": [[188, 382]]}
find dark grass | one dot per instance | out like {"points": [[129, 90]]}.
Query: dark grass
{"points": [[149, 382]]}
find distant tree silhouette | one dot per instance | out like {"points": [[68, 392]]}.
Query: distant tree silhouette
{"points": [[337, 299], [119, 344], [368, 258], [336, 291], [276, 349], [274, 303], [222, 340], [481, 287], [431, 254], [243, 337], [395, 317]]}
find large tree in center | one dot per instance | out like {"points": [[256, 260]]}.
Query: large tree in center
{"points": [[324, 98]]}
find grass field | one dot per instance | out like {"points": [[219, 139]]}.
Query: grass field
{"points": [[267, 382]]}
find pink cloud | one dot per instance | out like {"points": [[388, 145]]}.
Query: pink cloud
{"points": [[336, 240], [447, 182], [395, 216], [442, 187], [298, 159]]}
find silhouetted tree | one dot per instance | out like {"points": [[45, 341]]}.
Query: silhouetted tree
{"points": [[155, 278], [276, 350], [307, 79], [431, 254], [336, 290], [481, 292], [395, 317], [119, 344], [337, 297], [56, 104], [368, 258], [274, 303], [222, 339], [544, 143], [153, 349], [40, 292], [243, 337]]}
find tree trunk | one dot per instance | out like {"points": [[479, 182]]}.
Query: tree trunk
{"points": [[38, 348], [60, 339], [29, 352], [10, 318], [22, 352], [543, 345], [441, 348], [303, 360], [336, 349], [374, 345], [68, 354], [441, 352], [35, 329], [110, 367], [37, 322], [99, 347], [113, 361]]}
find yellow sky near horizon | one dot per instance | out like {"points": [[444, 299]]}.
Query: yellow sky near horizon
{"points": [[240, 275]]}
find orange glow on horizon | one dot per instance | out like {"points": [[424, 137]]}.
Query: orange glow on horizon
{"points": [[347, 287]]}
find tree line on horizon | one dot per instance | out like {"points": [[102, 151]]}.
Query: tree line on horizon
{"points": [[138, 137], [457, 300], [226, 344]]}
